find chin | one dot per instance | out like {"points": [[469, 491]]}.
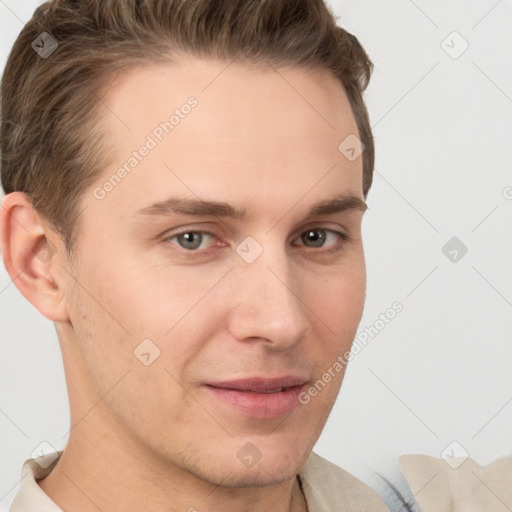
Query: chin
{"points": [[261, 475], [275, 466]]}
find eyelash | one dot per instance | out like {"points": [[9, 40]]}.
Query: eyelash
{"points": [[344, 239]]}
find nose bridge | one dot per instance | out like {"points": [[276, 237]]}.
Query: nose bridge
{"points": [[268, 297]]}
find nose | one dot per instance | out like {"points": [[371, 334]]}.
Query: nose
{"points": [[268, 302]]}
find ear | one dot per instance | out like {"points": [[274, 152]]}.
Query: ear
{"points": [[30, 256]]}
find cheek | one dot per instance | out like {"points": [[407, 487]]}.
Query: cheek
{"points": [[338, 294], [124, 318], [103, 343], [133, 391], [336, 301]]}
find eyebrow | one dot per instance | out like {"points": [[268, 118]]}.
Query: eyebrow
{"points": [[197, 207]]}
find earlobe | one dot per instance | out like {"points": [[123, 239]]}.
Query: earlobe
{"points": [[30, 256]]}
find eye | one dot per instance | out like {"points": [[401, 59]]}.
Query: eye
{"points": [[191, 241], [318, 236]]}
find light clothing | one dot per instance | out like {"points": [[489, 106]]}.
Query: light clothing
{"points": [[326, 487], [329, 488], [459, 484], [449, 485]]}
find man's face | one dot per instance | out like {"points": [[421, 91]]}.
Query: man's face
{"points": [[216, 298]]}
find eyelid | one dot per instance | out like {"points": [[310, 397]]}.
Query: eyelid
{"points": [[343, 236]]}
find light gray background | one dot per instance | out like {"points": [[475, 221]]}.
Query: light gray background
{"points": [[441, 370]]}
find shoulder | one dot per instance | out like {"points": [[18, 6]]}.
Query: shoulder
{"points": [[327, 487]]}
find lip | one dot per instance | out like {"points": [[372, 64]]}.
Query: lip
{"points": [[259, 397]]}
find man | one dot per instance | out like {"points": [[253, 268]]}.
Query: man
{"points": [[185, 185]]}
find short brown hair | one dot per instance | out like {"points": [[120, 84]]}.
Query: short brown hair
{"points": [[51, 147]]}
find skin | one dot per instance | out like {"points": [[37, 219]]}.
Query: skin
{"points": [[156, 439]]}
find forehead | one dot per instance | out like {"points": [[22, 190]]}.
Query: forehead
{"points": [[252, 131]]}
